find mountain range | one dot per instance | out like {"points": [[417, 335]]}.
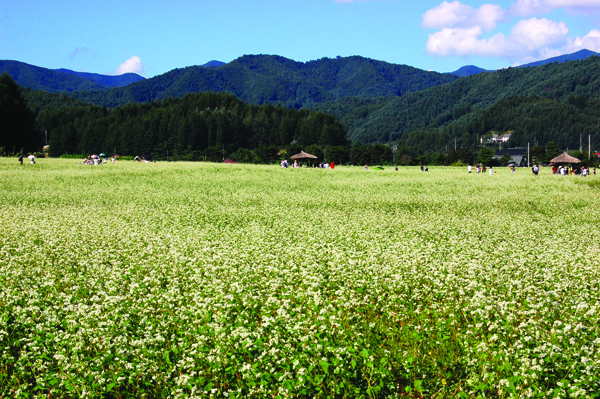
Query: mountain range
{"points": [[260, 79], [469, 70], [63, 80], [375, 101]]}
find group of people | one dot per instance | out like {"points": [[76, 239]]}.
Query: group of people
{"points": [[479, 168], [570, 170], [324, 165], [96, 161], [31, 158]]}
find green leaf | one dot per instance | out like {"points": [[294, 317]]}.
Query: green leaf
{"points": [[418, 385], [324, 365]]}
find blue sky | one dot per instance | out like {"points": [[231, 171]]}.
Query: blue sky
{"points": [[153, 37]]}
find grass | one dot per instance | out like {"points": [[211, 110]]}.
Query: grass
{"points": [[197, 279]]}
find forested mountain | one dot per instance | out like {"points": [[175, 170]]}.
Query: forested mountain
{"points": [[576, 56], [62, 80], [196, 126], [213, 64], [469, 70], [377, 102], [260, 79], [108, 81], [45, 79], [553, 102]]}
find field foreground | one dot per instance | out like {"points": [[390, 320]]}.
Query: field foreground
{"points": [[197, 280]]}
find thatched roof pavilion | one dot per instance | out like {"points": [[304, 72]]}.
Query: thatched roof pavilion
{"points": [[565, 158], [303, 155]]}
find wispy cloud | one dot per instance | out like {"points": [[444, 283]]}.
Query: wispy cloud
{"points": [[77, 51], [134, 64], [541, 7]]}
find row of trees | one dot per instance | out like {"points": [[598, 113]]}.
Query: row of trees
{"points": [[196, 126]]}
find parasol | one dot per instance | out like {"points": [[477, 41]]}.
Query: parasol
{"points": [[303, 155], [565, 158]]}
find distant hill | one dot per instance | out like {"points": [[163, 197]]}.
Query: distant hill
{"points": [[260, 79], [579, 55], [469, 70], [213, 64], [107, 80], [45, 79], [62, 80]]}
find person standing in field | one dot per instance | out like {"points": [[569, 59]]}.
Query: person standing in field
{"points": [[31, 159], [491, 171], [366, 167], [21, 159], [469, 168]]}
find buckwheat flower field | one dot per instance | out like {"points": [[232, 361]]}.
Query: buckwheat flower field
{"points": [[206, 280]]}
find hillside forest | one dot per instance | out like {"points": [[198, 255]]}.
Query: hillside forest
{"points": [[550, 106]]}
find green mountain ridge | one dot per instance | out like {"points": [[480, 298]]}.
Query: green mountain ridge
{"points": [[107, 80], [468, 108], [63, 80], [378, 102], [260, 79]]}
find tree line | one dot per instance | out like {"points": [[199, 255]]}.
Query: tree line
{"points": [[202, 126]]}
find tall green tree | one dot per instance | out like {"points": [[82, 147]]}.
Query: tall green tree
{"points": [[17, 123]]}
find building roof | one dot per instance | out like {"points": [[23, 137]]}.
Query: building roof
{"points": [[303, 155], [565, 158]]}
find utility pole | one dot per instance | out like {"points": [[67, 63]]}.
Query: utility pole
{"points": [[46, 133], [580, 143], [167, 155], [527, 154], [455, 144], [589, 147]]}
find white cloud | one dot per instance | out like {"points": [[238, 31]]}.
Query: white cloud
{"points": [[465, 42], [533, 34], [591, 41], [458, 15], [541, 7], [134, 64], [528, 38]]}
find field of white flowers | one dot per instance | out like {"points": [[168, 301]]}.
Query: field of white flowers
{"points": [[208, 280]]}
